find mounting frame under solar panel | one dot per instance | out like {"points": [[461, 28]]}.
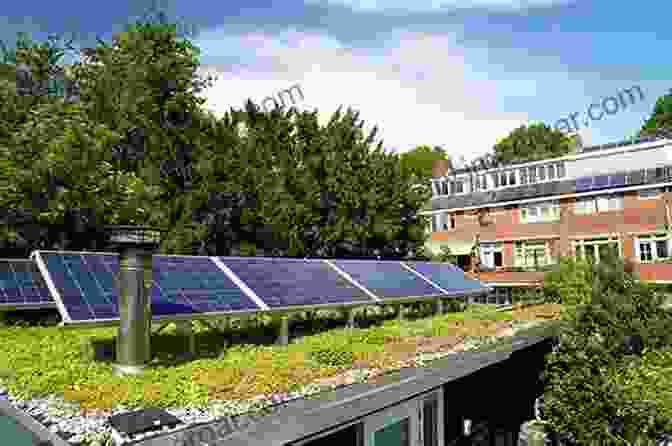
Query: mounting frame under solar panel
{"points": [[41, 302], [221, 315]]}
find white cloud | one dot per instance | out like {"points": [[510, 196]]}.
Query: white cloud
{"points": [[418, 88]]}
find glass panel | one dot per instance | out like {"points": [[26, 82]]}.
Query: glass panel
{"points": [[542, 173], [502, 179], [532, 173], [560, 167], [661, 249], [430, 423], [645, 251], [396, 434], [459, 187], [523, 176], [495, 179], [512, 177], [498, 259], [532, 212], [444, 187], [551, 171]]}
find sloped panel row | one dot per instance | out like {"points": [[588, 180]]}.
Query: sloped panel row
{"points": [[21, 285], [85, 284]]}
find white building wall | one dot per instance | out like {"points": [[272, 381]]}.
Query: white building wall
{"points": [[618, 162]]}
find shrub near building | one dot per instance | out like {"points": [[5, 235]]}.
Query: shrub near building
{"points": [[616, 339]]}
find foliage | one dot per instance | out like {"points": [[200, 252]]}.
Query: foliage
{"points": [[420, 161], [39, 361], [285, 186], [606, 334], [531, 143], [660, 119], [446, 256], [570, 283]]}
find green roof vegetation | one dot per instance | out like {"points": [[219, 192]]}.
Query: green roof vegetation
{"points": [[40, 361]]}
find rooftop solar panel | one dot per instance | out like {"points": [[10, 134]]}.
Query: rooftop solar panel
{"points": [[601, 181], [85, 285], [21, 285], [448, 277], [387, 279], [282, 282], [617, 180], [584, 184]]}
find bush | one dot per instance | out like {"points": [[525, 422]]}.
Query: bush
{"points": [[616, 319], [570, 282]]}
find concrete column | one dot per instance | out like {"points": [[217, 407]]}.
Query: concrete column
{"points": [[283, 339], [185, 329]]}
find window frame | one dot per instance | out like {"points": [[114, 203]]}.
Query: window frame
{"points": [[652, 241], [532, 213], [657, 194], [580, 244], [524, 247]]}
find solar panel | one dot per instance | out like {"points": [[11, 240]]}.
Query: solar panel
{"points": [[447, 276], [601, 181], [387, 279], [282, 282], [617, 180], [85, 285], [21, 285], [584, 184]]}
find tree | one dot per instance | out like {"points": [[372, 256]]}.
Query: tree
{"points": [[420, 161], [660, 119], [531, 143], [604, 340]]}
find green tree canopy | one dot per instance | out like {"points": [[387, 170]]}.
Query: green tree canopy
{"points": [[660, 119], [138, 147], [420, 160], [610, 337], [531, 143]]}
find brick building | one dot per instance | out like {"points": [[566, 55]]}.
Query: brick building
{"points": [[524, 215]]}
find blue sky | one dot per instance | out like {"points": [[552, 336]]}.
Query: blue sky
{"points": [[455, 73]]}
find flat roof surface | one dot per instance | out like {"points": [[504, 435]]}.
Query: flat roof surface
{"points": [[306, 417]]}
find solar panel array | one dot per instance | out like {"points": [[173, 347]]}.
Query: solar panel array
{"points": [[84, 284], [22, 286]]}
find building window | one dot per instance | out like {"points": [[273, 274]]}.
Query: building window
{"points": [[502, 179], [532, 173], [609, 203], [484, 182], [530, 254], [491, 255], [444, 187], [585, 206], [542, 173], [597, 248], [435, 222], [495, 180], [652, 248], [444, 221], [540, 212], [560, 170], [523, 176], [649, 193], [551, 171], [457, 187], [512, 177]]}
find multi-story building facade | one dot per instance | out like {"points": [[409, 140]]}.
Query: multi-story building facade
{"points": [[525, 215]]}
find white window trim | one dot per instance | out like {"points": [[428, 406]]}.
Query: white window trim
{"points": [[655, 197], [531, 245], [553, 216], [596, 241], [652, 238]]}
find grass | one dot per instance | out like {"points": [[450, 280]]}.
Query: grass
{"points": [[40, 361]]}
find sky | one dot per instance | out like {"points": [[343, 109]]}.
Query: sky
{"points": [[460, 74]]}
